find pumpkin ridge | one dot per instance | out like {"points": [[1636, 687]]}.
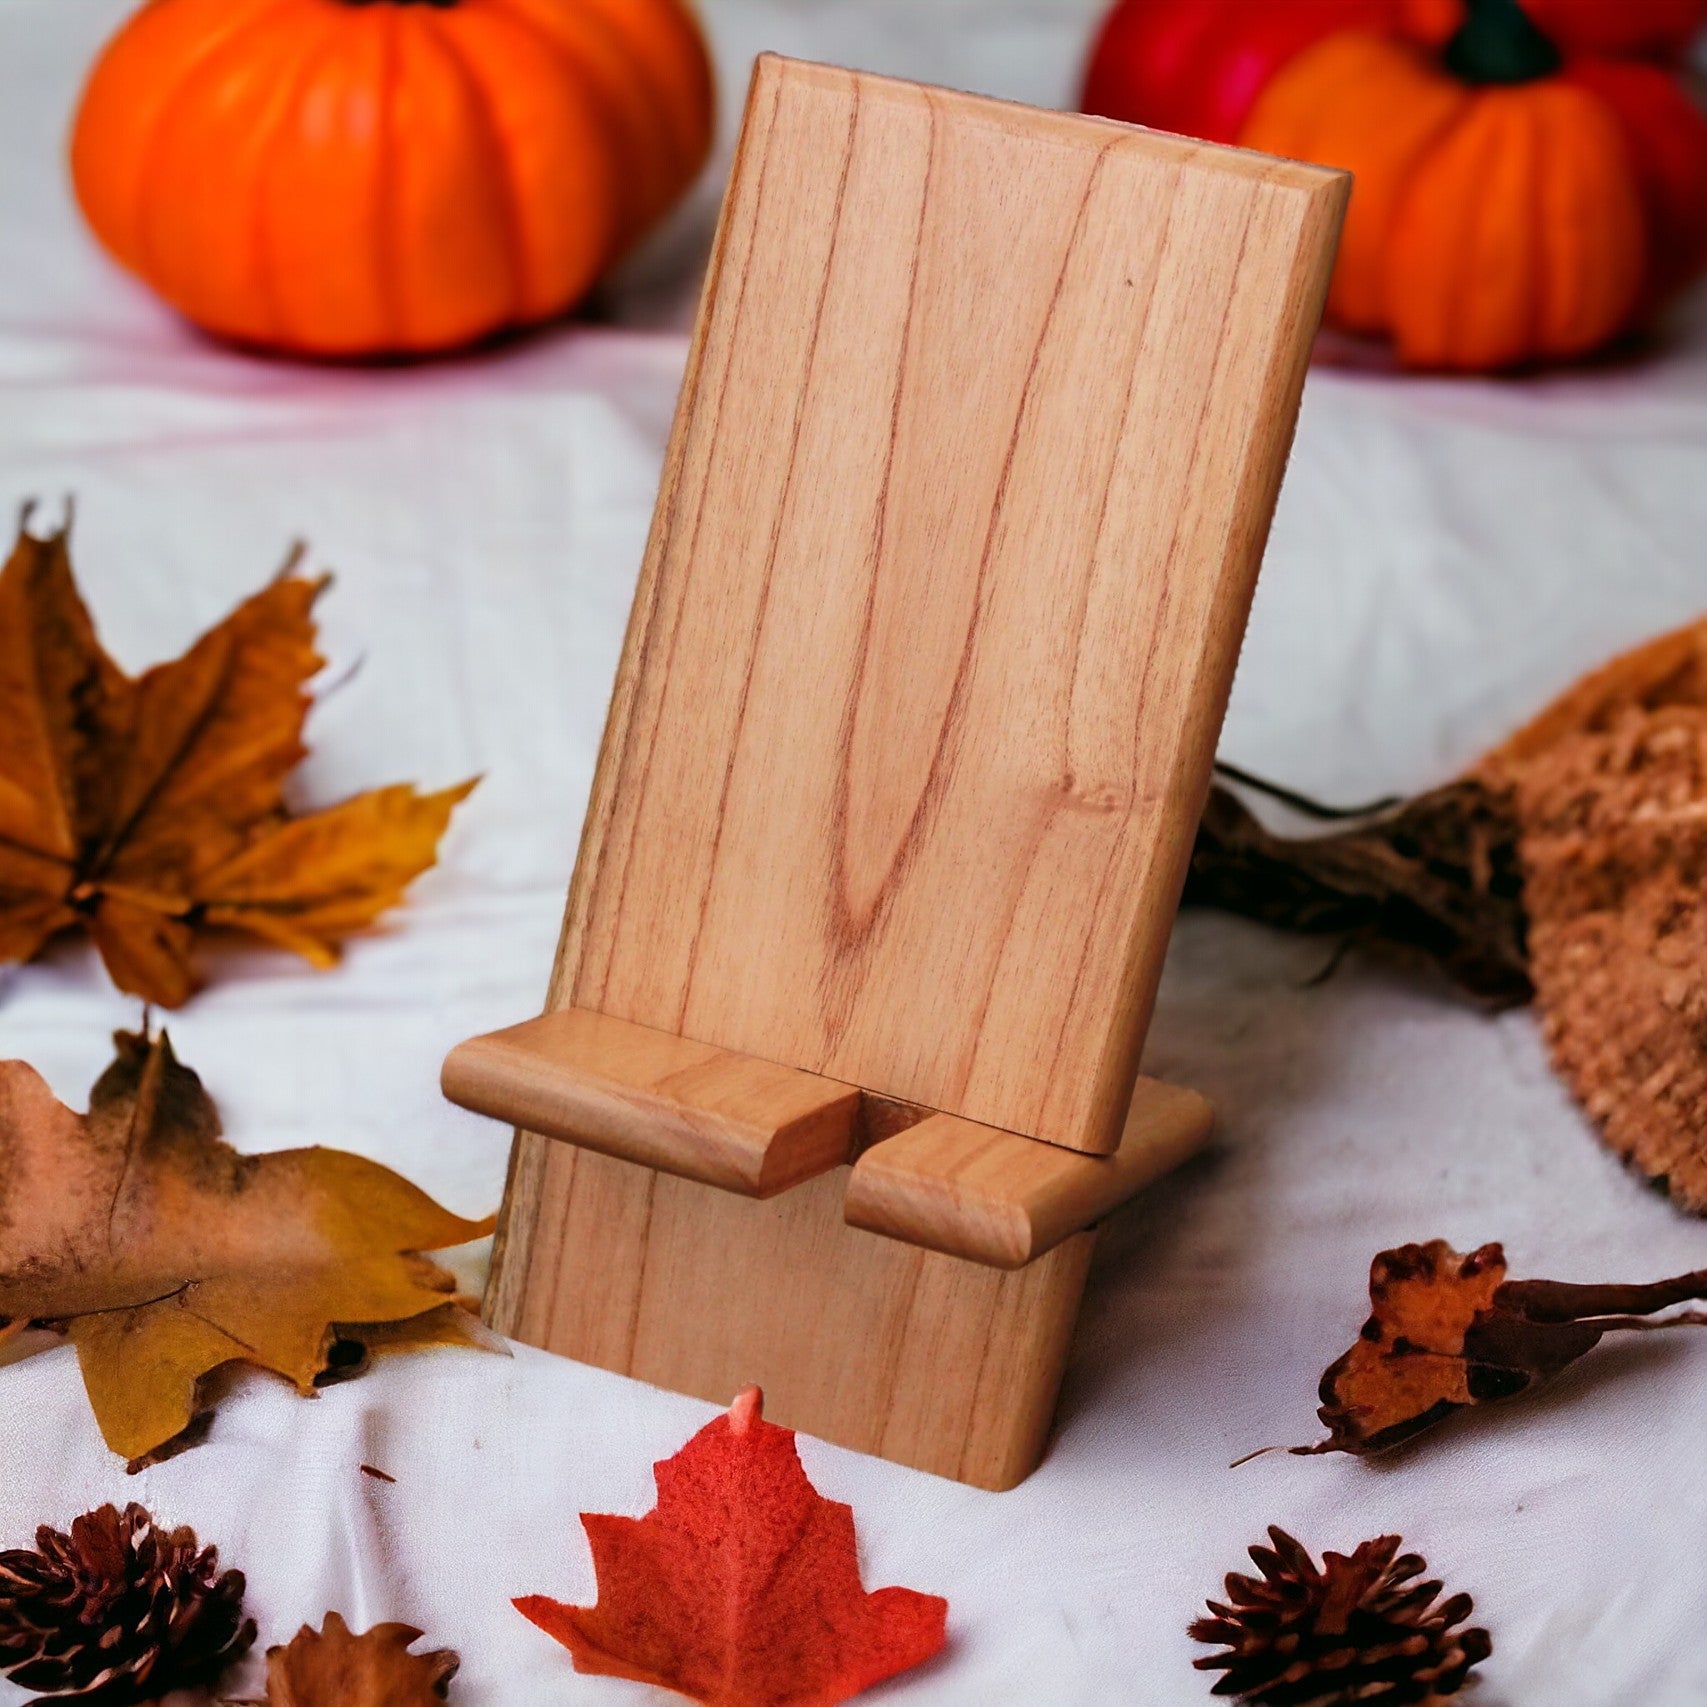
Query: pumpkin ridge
{"points": [[260, 241], [485, 115], [645, 25], [666, 170], [1536, 330], [1532, 328], [654, 93], [1497, 120], [1481, 126], [1460, 119], [216, 287], [185, 75], [388, 246], [1577, 321], [111, 63]]}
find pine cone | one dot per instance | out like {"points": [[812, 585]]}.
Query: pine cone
{"points": [[1358, 1630], [118, 1611]]}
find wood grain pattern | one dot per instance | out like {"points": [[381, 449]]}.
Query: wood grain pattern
{"points": [[928, 1360], [993, 1197], [691, 1109], [971, 475]]}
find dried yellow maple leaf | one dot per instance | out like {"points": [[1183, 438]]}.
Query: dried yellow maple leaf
{"points": [[165, 1255], [146, 810]]}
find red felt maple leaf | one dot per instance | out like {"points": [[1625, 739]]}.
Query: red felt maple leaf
{"points": [[741, 1587]]}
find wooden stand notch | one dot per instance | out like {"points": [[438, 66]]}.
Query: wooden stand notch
{"points": [[983, 425]]}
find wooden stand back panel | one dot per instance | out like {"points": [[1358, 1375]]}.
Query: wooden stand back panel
{"points": [[982, 428], [973, 466]]}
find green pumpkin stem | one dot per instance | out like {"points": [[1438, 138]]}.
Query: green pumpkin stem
{"points": [[1499, 42]]}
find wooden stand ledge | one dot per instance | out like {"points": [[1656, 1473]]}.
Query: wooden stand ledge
{"points": [[755, 1128]]}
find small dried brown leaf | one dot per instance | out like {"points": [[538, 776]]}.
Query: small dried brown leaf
{"points": [[1448, 1331], [332, 1667]]}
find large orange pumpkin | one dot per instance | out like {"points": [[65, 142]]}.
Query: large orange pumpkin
{"points": [[366, 177]]}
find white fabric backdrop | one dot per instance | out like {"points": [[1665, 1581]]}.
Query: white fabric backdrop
{"points": [[1446, 554]]}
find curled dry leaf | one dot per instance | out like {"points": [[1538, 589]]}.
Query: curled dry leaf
{"points": [[146, 811], [741, 1589], [166, 1255], [1568, 862], [332, 1667], [1357, 1628], [1448, 1330]]}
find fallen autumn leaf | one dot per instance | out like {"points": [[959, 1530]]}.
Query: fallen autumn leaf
{"points": [[148, 811], [1447, 1331], [741, 1589], [333, 1667], [165, 1255]]}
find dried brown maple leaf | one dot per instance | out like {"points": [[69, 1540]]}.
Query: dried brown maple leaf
{"points": [[165, 1255], [1449, 1330], [1569, 861], [332, 1667], [145, 811]]}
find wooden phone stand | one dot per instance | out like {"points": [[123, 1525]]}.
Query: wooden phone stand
{"points": [[984, 420]]}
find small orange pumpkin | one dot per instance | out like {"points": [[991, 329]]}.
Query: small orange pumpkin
{"points": [[1507, 208], [372, 177]]}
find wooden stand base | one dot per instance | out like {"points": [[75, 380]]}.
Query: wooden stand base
{"points": [[929, 1360], [915, 1298]]}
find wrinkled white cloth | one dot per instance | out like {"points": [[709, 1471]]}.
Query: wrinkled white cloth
{"points": [[1446, 555]]}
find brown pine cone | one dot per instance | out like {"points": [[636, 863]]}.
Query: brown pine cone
{"points": [[118, 1611], [1358, 1630]]}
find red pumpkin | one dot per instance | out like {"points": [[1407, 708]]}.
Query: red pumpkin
{"points": [[365, 177], [1510, 205], [1195, 66], [1666, 135]]}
